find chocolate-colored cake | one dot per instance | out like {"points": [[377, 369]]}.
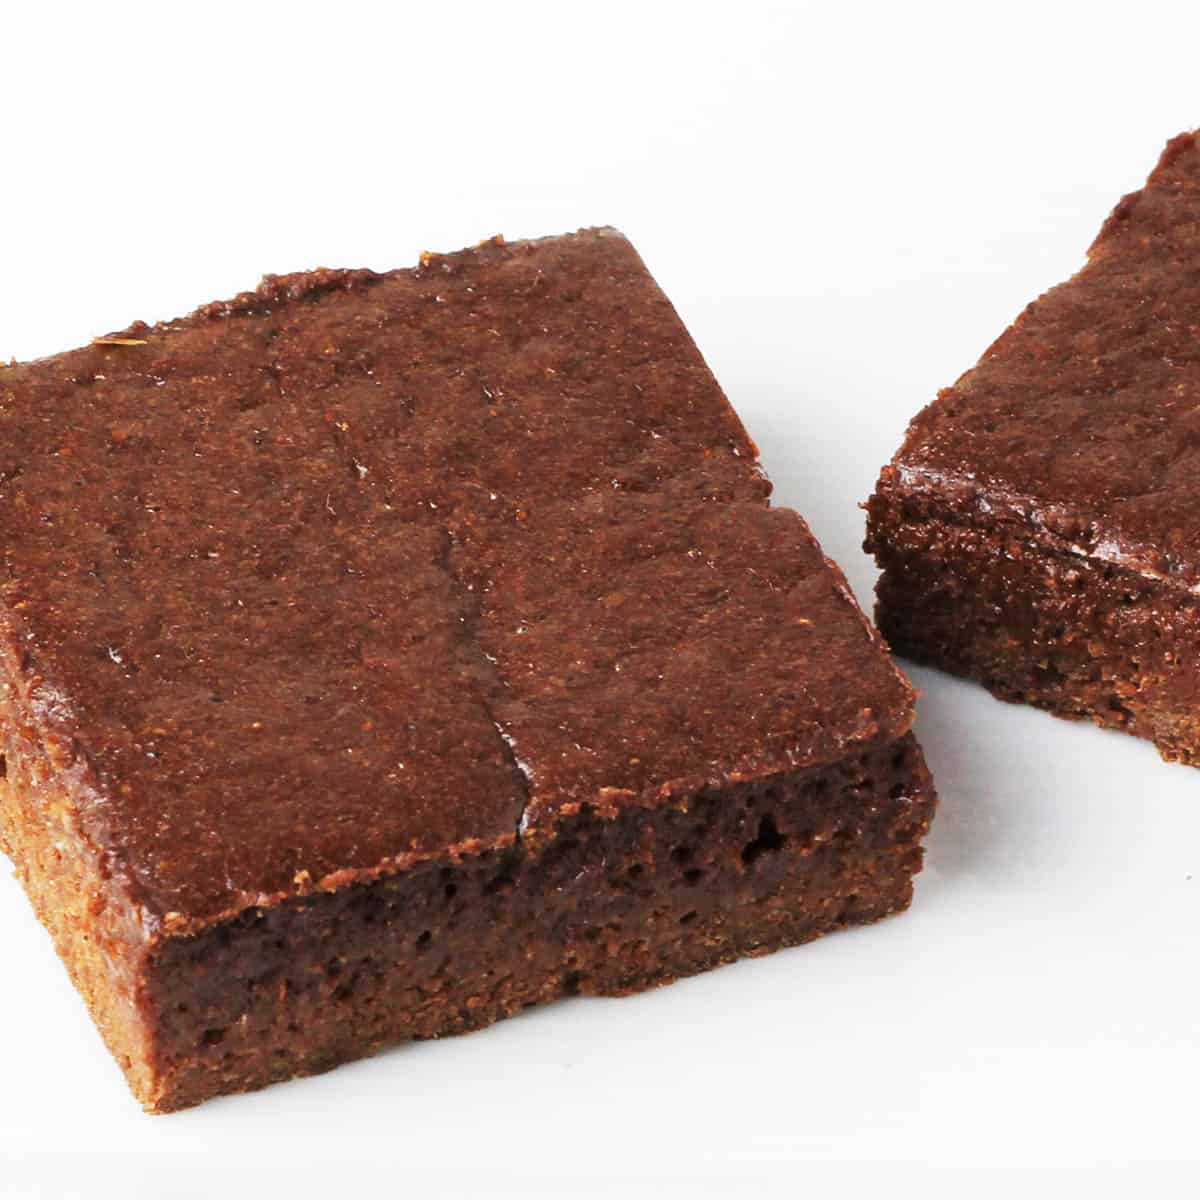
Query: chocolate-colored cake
{"points": [[384, 654], [1039, 530]]}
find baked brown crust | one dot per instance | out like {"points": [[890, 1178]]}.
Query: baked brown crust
{"points": [[358, 573], [1069, 452]]}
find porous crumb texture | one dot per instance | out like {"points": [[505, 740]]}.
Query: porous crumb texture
{"points": [[96, 933], [608, 907], [1079, 638], [1038, 528], [358, 579]]}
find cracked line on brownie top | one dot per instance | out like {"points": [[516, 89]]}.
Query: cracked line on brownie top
{"points": [[313, 498]]}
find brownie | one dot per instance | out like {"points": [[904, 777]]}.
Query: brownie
{"points": [[1039, 529], [386, 653]]}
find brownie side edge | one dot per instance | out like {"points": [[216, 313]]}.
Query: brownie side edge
{"points": [[84, 904], [611, 905], [1077, 637]]}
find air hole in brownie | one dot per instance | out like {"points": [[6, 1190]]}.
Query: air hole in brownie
{"points": [[571, 981], [502, 883], [768, 838], [681, 854], [3, 767], [451, 890], [898, 760], [636, 871], [897, 791], [424, 940], [688, 917], [692, 876], [213, 1037], [845, 835]]}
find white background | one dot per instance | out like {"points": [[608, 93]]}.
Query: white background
{"points": [[847, 203]]}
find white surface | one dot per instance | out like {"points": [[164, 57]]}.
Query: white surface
{"points": [[847, 204]]}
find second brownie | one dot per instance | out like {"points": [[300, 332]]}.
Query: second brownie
{"points": [[1039, 529]]}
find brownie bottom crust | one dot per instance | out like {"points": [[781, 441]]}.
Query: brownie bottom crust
{"points": [[1080, 638], [608, 906]]}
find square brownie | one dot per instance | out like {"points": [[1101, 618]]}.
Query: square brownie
{"points": [[385, 653], [1039, 529]]}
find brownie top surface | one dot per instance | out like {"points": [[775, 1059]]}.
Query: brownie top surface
{"points": [[358, 569], [1083, 419]]}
